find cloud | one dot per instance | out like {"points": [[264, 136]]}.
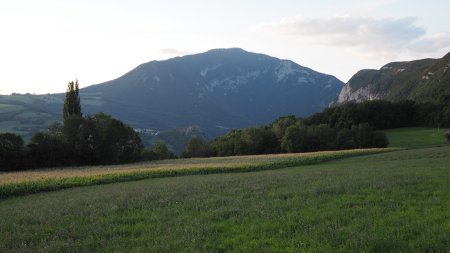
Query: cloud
{"points": [[173, 52], [431, 43], [362, 34]]}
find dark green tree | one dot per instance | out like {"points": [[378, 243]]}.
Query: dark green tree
{"points": [[11, 151], [260, 140], [161, 151], [109, 140], [280, 125], [196, 147], [72, 105], [324, 137], [447, 136], [295, 139], [47, 149], [363, 134], [101, 139], [223, 146], [345, 139], [73, 129]]}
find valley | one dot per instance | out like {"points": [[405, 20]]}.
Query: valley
{"points": [[225, 126]]}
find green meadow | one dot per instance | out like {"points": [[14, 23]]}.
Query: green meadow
{"points": [[395, 201], [34, 181], [416, 137]]}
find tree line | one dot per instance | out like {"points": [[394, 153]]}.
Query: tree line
{"points": [[385, 115], [79, 140], [345, 126], [101, 139], [286, 135]]}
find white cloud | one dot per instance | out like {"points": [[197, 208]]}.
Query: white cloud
{"points": [[371, 36], [431, 43]]}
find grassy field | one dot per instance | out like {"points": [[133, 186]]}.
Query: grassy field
{"points": [[33, 181], [344, 201], [389, 202], [416, 137]]}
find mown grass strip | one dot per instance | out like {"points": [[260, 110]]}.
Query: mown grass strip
{"points": [[46, 185]]}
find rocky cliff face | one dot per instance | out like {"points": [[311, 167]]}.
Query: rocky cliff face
{"points": [[421, 80], [358, 95]]}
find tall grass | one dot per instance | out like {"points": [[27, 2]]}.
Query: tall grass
{"points": [[29, 182], [387, 202]]}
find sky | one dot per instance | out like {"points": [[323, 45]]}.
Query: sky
{"points": [[45, 44]]}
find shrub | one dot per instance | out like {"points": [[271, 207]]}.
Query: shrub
{"points": [[380, 140], [447, 136]]}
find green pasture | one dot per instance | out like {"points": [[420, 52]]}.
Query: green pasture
{"points": [[388, 202], [416, 137], [26, 182], [343, 201]]}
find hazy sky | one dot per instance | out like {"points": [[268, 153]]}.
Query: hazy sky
{"points": [[44, 44]]}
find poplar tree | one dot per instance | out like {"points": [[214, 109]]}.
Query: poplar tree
{"points": [[72, 104]]}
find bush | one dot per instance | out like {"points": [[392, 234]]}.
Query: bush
{"points": [[447, 136], [380, 140]]}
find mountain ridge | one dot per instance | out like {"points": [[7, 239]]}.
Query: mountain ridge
{"points": [[217, 81], [420, 80]]}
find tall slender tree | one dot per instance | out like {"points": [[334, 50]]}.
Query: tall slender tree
{"points": [[72, 105]]}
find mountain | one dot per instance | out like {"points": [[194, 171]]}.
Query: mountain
{"points": [[215, 91], [421, 80]]}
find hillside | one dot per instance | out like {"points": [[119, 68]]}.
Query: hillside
{"points": [[422, 80], [215, 91], [27, 114]]}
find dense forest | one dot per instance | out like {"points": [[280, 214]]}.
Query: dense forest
{"points": [[382, 114]]}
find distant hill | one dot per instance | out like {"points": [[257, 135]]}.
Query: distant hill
{"points": [[26, 114], [214, 91], [422, 80]]}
